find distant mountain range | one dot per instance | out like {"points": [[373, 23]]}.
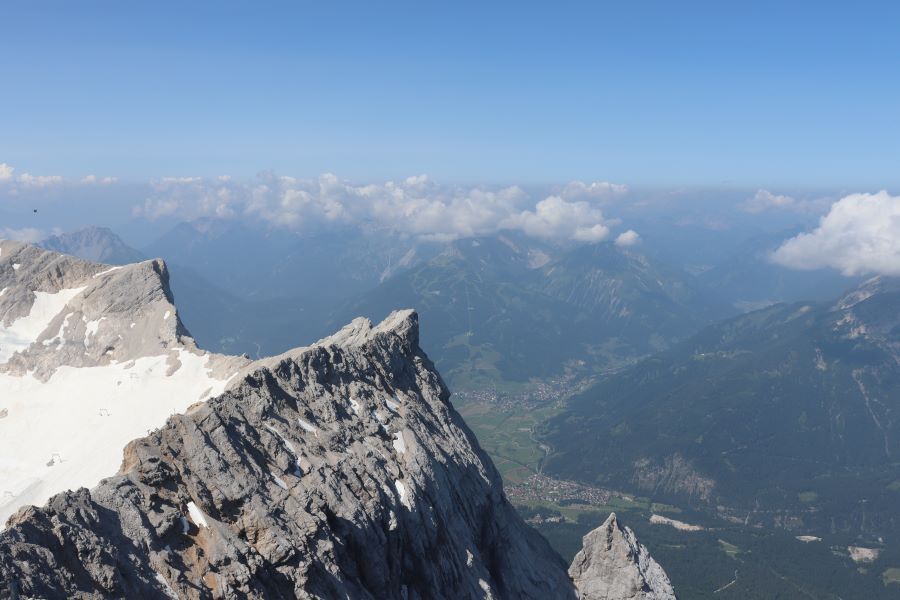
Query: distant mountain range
{"points": [[789, 413], [748, 279], [256, 263], [509, 308], [501, 308], [97, 244], [785, 417], [220, 320]]}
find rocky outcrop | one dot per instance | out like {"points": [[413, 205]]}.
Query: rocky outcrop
{"points": [[612, 565], [336, 471], [91, 357], [340, 470], [99, 314], [674, 474]]}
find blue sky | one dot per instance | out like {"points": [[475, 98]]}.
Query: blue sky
{"points": [[644, 93]]}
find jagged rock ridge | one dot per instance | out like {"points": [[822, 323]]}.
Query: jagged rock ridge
{"points": [[335, 471], [91, 357]]}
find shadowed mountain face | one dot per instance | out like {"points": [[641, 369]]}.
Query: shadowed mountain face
{"points": [[626, 295], [96, 244], [262, 291], [749, 280], [262, 264], [218, 319], [489, 322], [506, 307], [789, 405]]}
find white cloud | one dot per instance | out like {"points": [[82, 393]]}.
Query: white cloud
{"points": [[859, 235], [598, 190], [557, 219], [181, 179], [94, 180], [627, 238], [28, 181], [26, 234], [415, 206], [766, 200], [39, 181]]}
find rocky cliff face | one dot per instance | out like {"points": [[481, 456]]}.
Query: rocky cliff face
{"points": [[335, 471], [91, 357], [612, 564]]}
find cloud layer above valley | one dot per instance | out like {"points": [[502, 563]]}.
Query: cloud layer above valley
{"points": [[15, 182], [415, 206], [859, 235], [765, 200]]}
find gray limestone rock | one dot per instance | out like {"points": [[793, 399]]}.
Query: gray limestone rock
{"points": [[335, 471], [123, 313], [340, 470], [612, 565]]}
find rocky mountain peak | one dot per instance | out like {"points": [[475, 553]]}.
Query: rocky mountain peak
{"points": [[338, 470], [56, 310], [403, 324], [91, 357], [96, 244], [612, 564]]}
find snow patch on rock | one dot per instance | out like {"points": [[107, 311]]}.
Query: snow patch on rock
{"points": [[25, 331], [106, 272], [69, 432], [403, 493], [399, 443], [307, 426], [197, 515]]}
